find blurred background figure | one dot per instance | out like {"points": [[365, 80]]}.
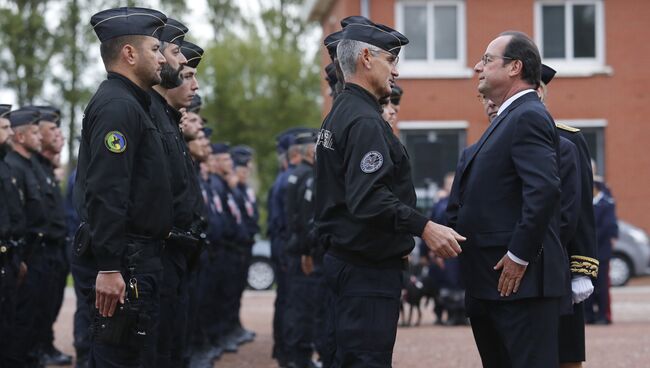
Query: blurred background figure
{"points": [[598, 305]]}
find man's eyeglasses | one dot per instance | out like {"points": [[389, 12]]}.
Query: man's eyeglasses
{"points": [[487, 58], [392, 59]]}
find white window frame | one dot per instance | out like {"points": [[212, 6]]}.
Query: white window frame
{"points": [[570, 66], [410, 125], [592, 123], [432, 68]]}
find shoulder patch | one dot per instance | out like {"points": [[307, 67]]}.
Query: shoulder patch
{"points": [[566, 127], [115, 141], [371, 162]]}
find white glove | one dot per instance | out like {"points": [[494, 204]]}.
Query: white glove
{"points": [[581, 288]]}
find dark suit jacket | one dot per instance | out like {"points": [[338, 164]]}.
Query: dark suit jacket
{"points": [[509, 199]]}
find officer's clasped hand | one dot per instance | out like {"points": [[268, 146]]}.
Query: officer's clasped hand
{"points": [[109, 289], [442, 240]]}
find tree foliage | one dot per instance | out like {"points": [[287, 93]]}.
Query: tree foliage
{"points": [[259, 82], [28, 44]]}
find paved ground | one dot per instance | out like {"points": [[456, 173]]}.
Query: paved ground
{"points": [[626, 343]]}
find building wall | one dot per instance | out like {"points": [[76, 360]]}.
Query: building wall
{"points": [[621, 98]]}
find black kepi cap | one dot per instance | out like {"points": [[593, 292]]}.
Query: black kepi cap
{"points": [[174, 32], [4, 110], [128, 21], [547, 74], [362, 29], [192, 53], [396, 94], [24, 116], [307, 136], [48, 113], [331, 41], [219, 148]]}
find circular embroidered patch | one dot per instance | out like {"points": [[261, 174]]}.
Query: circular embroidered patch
{"points": [[371, 162], [115, 142]]}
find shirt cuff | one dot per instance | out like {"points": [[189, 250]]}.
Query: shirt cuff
{"points": [[517, 259]]}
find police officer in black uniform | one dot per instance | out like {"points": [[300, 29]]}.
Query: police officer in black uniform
{"points": [[234, 241], [365, 201], [303, 283], [246, 199], [122, 191], [184, 240], [32, 302], [278, 235], [12, 230], [577, 233], [55, 231]]}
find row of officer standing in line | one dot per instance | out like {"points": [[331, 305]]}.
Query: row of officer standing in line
{"points": [[151, 229], [33, 235], [300, 310]]}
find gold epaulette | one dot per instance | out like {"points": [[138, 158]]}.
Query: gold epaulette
{"points": [[584, 266], [566, 127]]}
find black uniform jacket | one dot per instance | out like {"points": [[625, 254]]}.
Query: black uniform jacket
{"points": [[509, 199], [122, 186], [31, 198], [184, 183], [582, 247], [300, 209], [12, 217], [570, 197], [365, 199], [53, 199]]}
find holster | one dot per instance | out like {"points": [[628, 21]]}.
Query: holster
{"points": [[129, 326], [191, 243], [81, 243]]}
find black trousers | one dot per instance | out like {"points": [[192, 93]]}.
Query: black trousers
{"points": [[300, 314], [174, 299], [59, 269], [31, 310], [518, 334], [124, 354], [8, 293], [571, 337], [366, 309]]}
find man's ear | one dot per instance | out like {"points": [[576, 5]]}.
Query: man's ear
{"points": [[516, 68], [129, 54], [366, 58]]}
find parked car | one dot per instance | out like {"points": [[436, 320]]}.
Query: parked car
{"points": [[261, 274], [631, 254]]}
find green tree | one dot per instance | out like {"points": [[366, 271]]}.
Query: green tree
{"points": [[223, 15], [28, 45], [260, 82]]}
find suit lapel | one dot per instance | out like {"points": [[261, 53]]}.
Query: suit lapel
{"points": [[492, 127]]}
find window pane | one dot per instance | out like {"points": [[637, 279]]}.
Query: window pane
{"points": [[446, 37], [553, 31], [584, 31], [415, 29], [433, 154]]}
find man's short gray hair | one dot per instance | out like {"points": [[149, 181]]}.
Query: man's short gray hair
{"points": [[348, 51]]}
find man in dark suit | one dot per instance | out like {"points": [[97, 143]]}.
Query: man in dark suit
{"points": [[507, 205]]}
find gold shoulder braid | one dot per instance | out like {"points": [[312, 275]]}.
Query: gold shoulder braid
{"points": [[566, 127], [584, 266]]}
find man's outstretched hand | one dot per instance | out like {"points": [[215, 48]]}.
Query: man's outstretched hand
{"points": [[442, 240]]}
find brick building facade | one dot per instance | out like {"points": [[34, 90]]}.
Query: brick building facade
{"points": [[601, 86]]}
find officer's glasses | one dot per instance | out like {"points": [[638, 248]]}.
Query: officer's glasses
{"points": [[392, 59], [487, 58]]}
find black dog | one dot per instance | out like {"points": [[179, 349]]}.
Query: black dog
{"points": [[412, 294]]}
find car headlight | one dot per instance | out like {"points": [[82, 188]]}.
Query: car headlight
{"points": [[639, 236]]}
